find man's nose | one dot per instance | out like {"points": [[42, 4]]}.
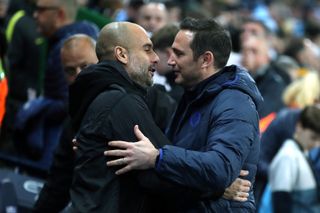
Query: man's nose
{"points": [[78, 70], [171, 61], [155, 58]]}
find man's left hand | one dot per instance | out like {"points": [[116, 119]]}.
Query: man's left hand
{"points": [[239, 189]]}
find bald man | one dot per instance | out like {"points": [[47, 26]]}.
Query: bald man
{"points": [[106, 101], [77, 52]]}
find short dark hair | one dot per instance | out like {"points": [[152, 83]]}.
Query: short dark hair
{"points": [[164, 37], [294, 47], [209, 36], [310, 117], [267, 31]]}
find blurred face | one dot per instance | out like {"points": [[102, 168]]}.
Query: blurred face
{"points": [[46, 14], [185, 68], [152, 17], [162, 67], [3, 8], [75, 59], [254, 54], [309, 56], [142, 59], [307, 138], [249, 29]]}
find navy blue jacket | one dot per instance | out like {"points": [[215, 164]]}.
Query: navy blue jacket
{"points": [[215, 133]]}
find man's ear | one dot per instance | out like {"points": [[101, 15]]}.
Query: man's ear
{"points": [[207, 59], [121, 54]]}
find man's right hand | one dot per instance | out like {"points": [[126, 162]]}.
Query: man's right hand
{"points": [[239, 189]]}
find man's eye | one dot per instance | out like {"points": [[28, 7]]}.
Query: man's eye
{"points": [[83, 66], [147, 18], [147, 49], [70, 70], [178, 54]]}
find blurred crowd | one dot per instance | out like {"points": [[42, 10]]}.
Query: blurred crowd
{"points": [[277, 41]]}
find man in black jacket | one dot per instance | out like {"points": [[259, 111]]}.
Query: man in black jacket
{"points": [[77, 52], [54, 195], [106, 101]]}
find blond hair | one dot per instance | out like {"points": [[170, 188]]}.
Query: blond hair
{"points": [[303, 92]]}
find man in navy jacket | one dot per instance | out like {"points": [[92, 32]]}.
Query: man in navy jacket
{"points": [[214, 131]]}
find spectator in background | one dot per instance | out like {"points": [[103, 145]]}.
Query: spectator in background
{"points": [[130, 12], [299, 94], [289, 68], [89, 14], [303, 92], [77, 52], [152, 16], [4, 4], [39, 123], [175, 11], [256, 58], [305, 52], [162, 41], [291, 176], [26, 56], [253, 27]]}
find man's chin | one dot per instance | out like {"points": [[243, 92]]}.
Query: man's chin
{"points": [[149, 83], [145, 84]]}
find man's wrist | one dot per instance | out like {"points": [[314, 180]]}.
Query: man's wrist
{"points": [[155, 158]]}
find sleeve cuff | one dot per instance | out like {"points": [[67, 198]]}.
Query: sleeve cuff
{"points": [[159, 158]]}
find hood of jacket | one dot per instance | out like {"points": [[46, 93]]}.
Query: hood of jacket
{"points": [[230, 77], [92, 81], [84, 27]]}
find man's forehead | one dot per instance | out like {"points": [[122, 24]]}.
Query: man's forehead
{"points": [[154, 8], [189, 34], [184, 36], [253, 28], [141, 42]]}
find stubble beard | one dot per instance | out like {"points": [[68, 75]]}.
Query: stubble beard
{"points": [[140, 74]]}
